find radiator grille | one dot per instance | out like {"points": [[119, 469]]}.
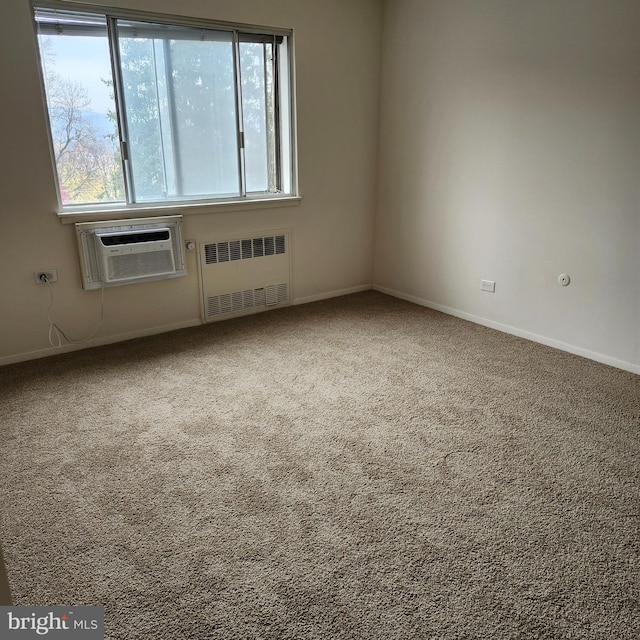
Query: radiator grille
{"points": [[240, 300], [216, 252]]}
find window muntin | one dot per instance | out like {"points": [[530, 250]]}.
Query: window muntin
{"points": [[196, 113]]}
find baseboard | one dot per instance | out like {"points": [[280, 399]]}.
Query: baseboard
{"points": [[520, 333], [97, 342], [550, 342], [121, 337], [333, 294]]}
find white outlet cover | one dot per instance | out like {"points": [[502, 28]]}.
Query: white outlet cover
{"points": [[488, 285]]}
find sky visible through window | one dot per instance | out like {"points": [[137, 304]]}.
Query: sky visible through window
{"points": [[79, 88], [85, 60]]}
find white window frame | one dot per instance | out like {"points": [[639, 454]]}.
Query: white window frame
{"points": [[288, 153]]}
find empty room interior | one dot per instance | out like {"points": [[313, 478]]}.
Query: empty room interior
{"points": [[321, 319]]}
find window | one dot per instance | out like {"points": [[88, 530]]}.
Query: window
{"points": [[144, 111]]}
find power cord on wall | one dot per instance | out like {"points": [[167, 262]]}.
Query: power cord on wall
{"points": [[55, 332]]}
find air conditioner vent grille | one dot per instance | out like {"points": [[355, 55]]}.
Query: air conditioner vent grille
{"points": [[133, 237], [139, 265], [240, 300], [248, 248]]}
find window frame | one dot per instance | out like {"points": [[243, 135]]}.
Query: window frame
{"points": [[185, 205]]}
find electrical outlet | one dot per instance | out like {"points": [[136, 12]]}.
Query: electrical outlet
{"points": [[46, 275], [488, 285]]}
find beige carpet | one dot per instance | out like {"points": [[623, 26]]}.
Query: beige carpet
{"points": [[358, 468]]}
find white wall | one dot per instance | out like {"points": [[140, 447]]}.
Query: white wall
{"points": [[510, 150], [338, 66]]}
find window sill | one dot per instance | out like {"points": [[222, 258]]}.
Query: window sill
{"points": [[119, 213]]}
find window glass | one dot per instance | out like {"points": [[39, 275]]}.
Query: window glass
{"points": [[143, 111], [258, 115], [82, 115], [179, 97]]}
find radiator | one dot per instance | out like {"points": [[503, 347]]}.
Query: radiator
{"points": [[243, 275]]}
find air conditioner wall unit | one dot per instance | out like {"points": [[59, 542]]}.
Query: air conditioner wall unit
{"points": [[119, 252]]}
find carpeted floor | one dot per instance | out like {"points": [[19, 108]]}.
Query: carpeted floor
{"points": [[357, 468]]}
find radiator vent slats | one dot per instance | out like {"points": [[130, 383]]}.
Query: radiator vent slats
{"points": [[240, 300], [248, 248], [211, 253]]}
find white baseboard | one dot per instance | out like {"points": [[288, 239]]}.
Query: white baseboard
{"points": [[97, 342], [556, 344], [333, 294], [121, 337], [520, 333]]}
